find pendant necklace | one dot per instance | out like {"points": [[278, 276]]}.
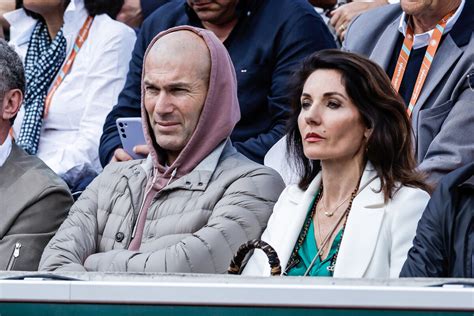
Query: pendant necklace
{"points": [[331, 213]]}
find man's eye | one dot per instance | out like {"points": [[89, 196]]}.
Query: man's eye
{"points": [[151, 89], [178, 90]]}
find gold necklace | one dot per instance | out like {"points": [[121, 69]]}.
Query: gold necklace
{"points": [[329, 213], [344, 215]]}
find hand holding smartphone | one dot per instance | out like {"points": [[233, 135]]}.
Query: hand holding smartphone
{"points": [[131, 134]]}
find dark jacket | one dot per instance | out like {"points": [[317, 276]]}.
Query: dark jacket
{"points": [[444, 242], [149, 6], [269, 40], [34, 201]]}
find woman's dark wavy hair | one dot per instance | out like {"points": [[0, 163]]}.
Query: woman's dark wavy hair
{"points": [[389, 147], [93, 7]]}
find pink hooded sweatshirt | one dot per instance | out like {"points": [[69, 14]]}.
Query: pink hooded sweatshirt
{"points": [[219, 115]]}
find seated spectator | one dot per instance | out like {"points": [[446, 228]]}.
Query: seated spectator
{"points": [[195, 199], [440, 103], [265, 40], [33, 200], [354, 211], [443, 246], [133, 12], [65, 106]]}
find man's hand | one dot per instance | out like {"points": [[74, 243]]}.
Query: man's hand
{"points": [[131, 13], [141, 150], [122, 155], [342, 16]]}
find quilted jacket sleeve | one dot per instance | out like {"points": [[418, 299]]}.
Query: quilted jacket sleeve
{"points": [[76, 238], [240, 215]]}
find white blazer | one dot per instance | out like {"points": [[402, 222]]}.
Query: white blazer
{"points": [[377, 237], [70, 134]]}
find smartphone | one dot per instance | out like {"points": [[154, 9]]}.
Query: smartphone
{"points": [[131, 134]]}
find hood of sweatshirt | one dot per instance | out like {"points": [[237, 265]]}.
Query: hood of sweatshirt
{"points": [[219, 115]]}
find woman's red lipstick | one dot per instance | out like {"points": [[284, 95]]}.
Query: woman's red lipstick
{"points": [[313, 138]]}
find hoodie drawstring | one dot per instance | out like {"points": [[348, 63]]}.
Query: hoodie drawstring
{"points": [[172, 176]]}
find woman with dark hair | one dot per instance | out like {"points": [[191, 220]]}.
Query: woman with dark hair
{"points": [[355, 209], [76, 60]]}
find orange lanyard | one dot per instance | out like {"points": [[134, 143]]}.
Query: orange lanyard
{"points": [[80, 39], [427, 60]]}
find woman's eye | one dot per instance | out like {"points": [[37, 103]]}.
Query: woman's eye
{"points": [[305, 104], [333, 104]]}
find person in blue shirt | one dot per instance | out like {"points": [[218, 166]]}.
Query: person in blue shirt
{"points": [[266, 39]]}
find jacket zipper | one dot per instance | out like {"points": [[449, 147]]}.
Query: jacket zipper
{"points": [[14, 256], [155, 176]]}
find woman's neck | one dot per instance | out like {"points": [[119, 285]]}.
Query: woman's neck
{"points": [[340, 178], [54, 21]]}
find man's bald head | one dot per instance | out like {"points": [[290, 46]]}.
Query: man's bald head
{"points": [[183, 47], [176, 80]]}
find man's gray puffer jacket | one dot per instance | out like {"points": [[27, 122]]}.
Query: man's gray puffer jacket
{"points": [[195, 224]]}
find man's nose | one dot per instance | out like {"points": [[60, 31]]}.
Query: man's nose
{"points": [[163, 104]]}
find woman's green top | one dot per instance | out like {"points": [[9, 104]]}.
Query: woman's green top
{"points": [[307, 252]]}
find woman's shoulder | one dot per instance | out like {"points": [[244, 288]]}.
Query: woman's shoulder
{"points": [[407, 198], [106, 26], [406, 192], [108, 35]]}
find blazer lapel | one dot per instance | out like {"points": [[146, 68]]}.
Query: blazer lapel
{"points": [[300, 202], [362, 228], [381, 53], [448, 53]]}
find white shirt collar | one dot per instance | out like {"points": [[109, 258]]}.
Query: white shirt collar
{"points": [[22, 25], [422, 40], [5, 150]]}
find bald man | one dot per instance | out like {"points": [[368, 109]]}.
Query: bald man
{"points": [[195, 199]]}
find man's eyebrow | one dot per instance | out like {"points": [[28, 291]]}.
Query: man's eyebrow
{"points": [[148, 83], [178, 84], [173, 85]]}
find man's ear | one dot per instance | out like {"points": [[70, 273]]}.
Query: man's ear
{"points": [[11, 103]]}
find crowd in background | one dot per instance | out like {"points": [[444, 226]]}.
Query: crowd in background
{"points": [[363, 110]]}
